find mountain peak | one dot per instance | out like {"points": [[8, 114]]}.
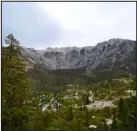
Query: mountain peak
{"points": [[106, 55]]}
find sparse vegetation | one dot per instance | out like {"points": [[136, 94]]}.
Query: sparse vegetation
{"points": [[61, 100]]}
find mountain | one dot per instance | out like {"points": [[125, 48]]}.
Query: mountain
{"points": [[105, 56]]}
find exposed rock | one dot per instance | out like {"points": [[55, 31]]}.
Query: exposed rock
{"points": [[100, 104], [107, 55], [109, 121], [92, 126]]}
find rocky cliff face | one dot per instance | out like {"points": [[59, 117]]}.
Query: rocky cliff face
{"points": [[107, 55]]}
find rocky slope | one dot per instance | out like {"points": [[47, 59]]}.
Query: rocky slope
{"points": [[107, 55]]}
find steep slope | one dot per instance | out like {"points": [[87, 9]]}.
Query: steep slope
{"points": [[105, 56]]}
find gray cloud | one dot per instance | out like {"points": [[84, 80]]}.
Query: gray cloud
{"points": [[50, 24], [33, 27]]}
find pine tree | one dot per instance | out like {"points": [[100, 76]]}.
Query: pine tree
{"points": [[69, 113], [131, 116], [16, 105], [86, 117], [114, 124], [85, 99], [121, 111], [121, 107], [105, 125]]}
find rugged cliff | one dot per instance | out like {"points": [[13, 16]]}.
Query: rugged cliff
{"points": [[108, 55]]}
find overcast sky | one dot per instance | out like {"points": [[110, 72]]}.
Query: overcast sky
{"points": [[61, 24]]}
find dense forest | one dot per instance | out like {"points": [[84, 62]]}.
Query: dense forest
{"points": [[64, 99]]}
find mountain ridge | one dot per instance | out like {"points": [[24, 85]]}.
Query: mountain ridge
{"points": [[106, 55]]}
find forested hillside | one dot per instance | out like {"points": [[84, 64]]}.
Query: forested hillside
{"points": [[64, 99]]}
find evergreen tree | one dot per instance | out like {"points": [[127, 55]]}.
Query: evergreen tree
{"points": [[85, 99], [121, 107], [16, 104], [123, 112], [105, 125], [69, 113], [86, 117], [131, 117], [114, 124]]}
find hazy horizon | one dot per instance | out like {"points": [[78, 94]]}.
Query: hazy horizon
{"points": [[40, 25], [73, 46]]}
